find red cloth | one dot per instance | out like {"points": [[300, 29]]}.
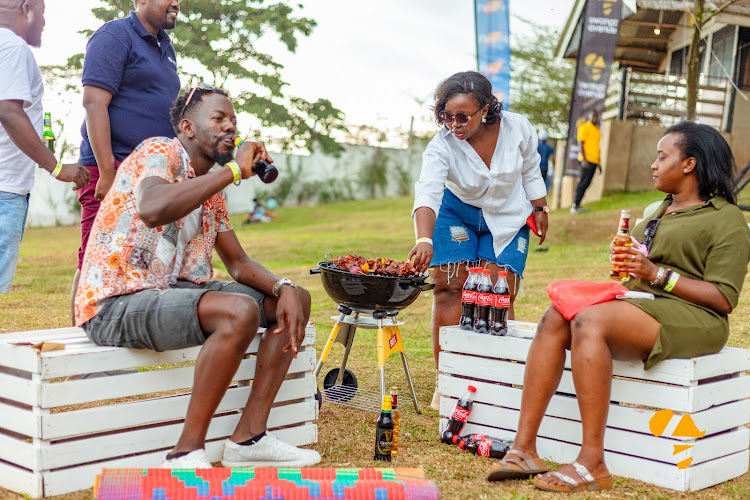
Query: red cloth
{"points": [[572, 296]]}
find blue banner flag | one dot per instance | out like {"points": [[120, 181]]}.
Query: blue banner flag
{"points": [[493, 45]]}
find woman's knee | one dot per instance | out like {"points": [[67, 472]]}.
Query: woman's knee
{"points": [[588, 325], [554, 326]]}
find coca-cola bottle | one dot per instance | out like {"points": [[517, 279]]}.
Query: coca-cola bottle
{"points": [[459, 416], [468, 299], [484, 303], [489, 448], [498, 318], [473, 438]]}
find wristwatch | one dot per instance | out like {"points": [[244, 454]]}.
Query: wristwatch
{"points": [[544, 209], [280, 283]]}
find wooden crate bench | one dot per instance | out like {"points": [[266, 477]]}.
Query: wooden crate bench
{"points": [[713, 390], [56, 434]]}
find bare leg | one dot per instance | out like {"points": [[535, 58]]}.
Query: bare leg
{"points": [[599, 334], [270, 372], [446, 302], [230, 322]]}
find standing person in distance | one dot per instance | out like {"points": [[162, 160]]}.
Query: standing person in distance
{"points": [[129, 84], [21, 124], [479, 182], [589, 159], [547, 157]]}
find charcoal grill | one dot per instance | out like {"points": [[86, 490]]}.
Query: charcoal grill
{"points": [[360, 296]]}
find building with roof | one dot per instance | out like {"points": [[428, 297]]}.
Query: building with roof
{"points": [[648, 92]]}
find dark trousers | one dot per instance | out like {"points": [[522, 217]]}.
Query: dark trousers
{"points": [[585, 181]]}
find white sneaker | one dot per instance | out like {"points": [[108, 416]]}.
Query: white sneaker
{"points": [[194, 460], [268, 452]]}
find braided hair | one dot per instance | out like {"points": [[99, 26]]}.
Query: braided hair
{"points": [[468, 83]]}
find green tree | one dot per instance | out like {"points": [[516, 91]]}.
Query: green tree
{"points": [[222, 37], [541, 85], [700, 14]]}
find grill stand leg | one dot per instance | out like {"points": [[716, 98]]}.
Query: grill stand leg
{"points": [[347, 349], [345, 311], [379, 316], [411, 385]]}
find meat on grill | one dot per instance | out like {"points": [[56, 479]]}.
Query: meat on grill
{"points": [[381, 267]]}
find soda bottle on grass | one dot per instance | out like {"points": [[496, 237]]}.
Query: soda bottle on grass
{"points": [[459, 416], [473, 438], [489, 448], [384, 431], [484, 302], [498, 318], [468, 299]]}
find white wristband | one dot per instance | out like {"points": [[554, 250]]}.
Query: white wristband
{"points": [[424, 240]]}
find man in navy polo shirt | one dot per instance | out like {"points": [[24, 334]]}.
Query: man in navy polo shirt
{"points": [[129, 84]]}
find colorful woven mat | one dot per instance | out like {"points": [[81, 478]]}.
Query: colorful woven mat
{"points": [[264, 484]]}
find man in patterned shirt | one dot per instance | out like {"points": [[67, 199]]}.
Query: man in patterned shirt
{"points": [[146, 279]]}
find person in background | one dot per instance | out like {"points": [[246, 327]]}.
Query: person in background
{"points": [[271, 205], [547, 155], [480, 181], [146, 280], [257, 213], [129, 84], [697, 248], [21, 122], [589, 152]]}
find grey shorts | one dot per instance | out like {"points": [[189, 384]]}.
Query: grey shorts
{"points": [[160, 320]]}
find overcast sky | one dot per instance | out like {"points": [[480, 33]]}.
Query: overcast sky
{"points": [[377, 61]]}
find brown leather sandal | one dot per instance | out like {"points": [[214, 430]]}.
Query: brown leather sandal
{"points": [[589, 482], [516, 465]]}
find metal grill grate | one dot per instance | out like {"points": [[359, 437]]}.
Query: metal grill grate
{"points": [[362, 399]]}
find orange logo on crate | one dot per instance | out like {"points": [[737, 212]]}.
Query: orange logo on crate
{"points": [[685, 428]]}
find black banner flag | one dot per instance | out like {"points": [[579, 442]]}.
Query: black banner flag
{"points": [[599, 31]]}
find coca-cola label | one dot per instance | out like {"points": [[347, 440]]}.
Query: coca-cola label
{"points": [[469, 297], [483, 450], [460, 414], [502, 301], [485, 299]]}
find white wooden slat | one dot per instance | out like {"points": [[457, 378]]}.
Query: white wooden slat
{"points": [[707, 395], [20, 420], [713, 420], [17, 451], [19, 357], [615, 440], [139, 413], [90, 358], [44, 334], [18, 389], [657, 473], [20, 480], [119, 386], [717, 471], [137, 441], [672, 397], [82, 477], [673, 371]]}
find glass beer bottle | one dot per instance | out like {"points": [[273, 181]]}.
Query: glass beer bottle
{"points": [[622, 239], [47, 135]]}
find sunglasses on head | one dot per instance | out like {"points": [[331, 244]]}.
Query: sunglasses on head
{"points": [[202, 86], [460, 118], [650, 231]]}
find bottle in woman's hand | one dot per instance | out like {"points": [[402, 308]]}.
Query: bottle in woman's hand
{"points": [[622, 240]]}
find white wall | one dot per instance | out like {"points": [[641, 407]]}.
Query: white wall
{"points": [[51, 201]]}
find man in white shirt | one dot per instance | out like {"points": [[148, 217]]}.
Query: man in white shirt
{"points": [[21, 90]]}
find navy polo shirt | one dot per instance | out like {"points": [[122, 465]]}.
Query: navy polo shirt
{"points": [[140, 71]]}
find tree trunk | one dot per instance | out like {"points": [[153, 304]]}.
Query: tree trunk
{"points": [[693, 71]]}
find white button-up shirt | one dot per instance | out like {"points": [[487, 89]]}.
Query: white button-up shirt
{"points": [[503, 192]]}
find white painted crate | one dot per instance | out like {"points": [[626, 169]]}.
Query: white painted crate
{"points": [[713, 389], [56, 435]]}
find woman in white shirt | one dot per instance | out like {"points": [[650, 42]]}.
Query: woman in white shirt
{"points": [[479, 183]]}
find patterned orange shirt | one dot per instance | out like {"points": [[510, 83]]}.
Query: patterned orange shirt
{"points": [[123, 255]]}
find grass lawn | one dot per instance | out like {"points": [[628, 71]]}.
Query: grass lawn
{"points": [[300, 237]]}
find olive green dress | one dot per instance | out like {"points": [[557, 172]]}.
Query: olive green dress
{"points": [[709, 242]]}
